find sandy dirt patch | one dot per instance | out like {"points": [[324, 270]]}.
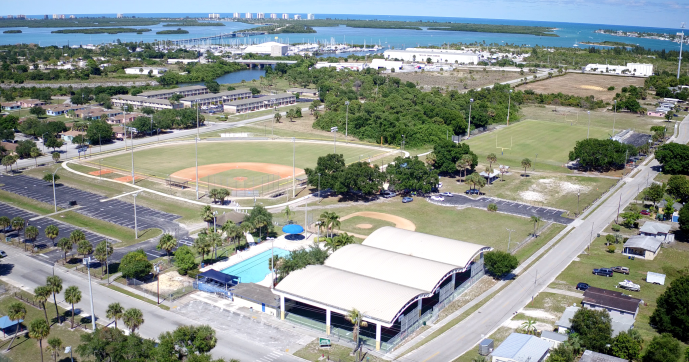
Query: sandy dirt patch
{"points": [[517, 324], [548, 188], [169, 282], [364, 226], [127, 178], [399, 222], [584, 85], [538, 313], [591, 87], [283, 171], [101, 172], [240, 178], [456, 80]]}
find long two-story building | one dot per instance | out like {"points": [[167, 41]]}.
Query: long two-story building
{"points": [[190, 91], [140, 102], [210, 99], [256, 104]]}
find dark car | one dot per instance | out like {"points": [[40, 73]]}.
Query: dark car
{"points": [[582, 286], [407, 199], [606, 272], [620, 269], [472, 192]]}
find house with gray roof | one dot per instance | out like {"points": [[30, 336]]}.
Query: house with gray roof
{"points": [[590, 356], [521, 348], [657, 230], [554, 338], [641, 246], [620, 323]]}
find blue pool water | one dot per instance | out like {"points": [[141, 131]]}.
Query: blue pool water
{"points": [[254, 269]]}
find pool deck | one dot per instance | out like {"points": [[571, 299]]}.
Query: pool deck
{"points": [[279, 242]]}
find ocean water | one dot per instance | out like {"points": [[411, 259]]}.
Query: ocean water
{"points": [[569, 33]]}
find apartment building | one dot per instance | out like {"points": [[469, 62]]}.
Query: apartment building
{"points": [[193, 90], [140, 102], [209, 99]]}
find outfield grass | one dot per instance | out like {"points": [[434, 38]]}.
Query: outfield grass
{"points": [[549, 140], [166, 160], [671, 260]]}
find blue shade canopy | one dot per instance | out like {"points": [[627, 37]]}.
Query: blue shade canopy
{"points": [[292, 229], [219, 277], [6, 322]]}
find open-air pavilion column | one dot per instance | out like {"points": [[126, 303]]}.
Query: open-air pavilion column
{"points": [[282, 307], [327, 321], [420, 303], [378, 328]]}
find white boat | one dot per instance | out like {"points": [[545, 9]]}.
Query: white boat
{"points": [[629, 285]]}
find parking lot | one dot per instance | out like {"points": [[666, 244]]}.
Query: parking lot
{"points": [[506, 206], [114, 211]]}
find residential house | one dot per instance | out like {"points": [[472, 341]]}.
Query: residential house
{"points": [[69, 135], [620, 323], [590, 356], [521, 348], [616, 303], [60, 109], [123, 118], [554, 338], [657, 230], [10, 106], [9, 146], [28, 103], [304, 92], [641, 246], [118, 132]]}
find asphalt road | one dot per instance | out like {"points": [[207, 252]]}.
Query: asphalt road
{"points": [[29, 273], [507, 206], [467, 334]]}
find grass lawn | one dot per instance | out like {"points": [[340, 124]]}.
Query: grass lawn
{"points": [[162, 161], [549, 140], [311, 352], [668, 262], [350, 225], [543, 238], [498, 337]]}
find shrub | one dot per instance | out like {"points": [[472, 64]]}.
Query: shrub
{"points": [[611, 249], [185, 260], [492, 207], [610, 238], [611, 88], [500, 263], [616, 228], [135, 265]]}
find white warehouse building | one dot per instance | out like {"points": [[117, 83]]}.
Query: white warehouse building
{"points": [[269, 48], [436, 56], [637, 69]]}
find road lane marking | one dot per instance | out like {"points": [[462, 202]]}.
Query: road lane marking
{"points": [[435, 354]]}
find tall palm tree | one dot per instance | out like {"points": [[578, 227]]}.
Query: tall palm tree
{"points": [[288, 213], [535, 220], [207, 215], [167, 242], [468, 160], [51, 232], [65, 245], [526, 163], [72, 296], [16, 312], [114, 311], [18, 224], [5, 222], [356, 318], [323, 221], [103, 251], [54, 284], [76, 236], [232, 231], [30, 233], [202, 245], [331, 244], [41, 295], [54, 347], [215, 240], [84, 247], [133, 318], [529, 326], [331, 221], [491, 158], [39, 330]]}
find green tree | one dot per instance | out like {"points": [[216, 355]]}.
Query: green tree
{"points": [[602, 155], [54, 347], [291, 114], [663, 348], [56, 157], [40, 296], [54, 284], [84, 247], [255, 91], [410, 173], [529, 326], [655, 192], [167, 242], [185, 260], [562, 353], [133, 319], [114, 312], [491, 158], [684, 219], [18, 224], [39, 330], [135, 264], [51, 232], [99, 131], [277, 117], [65, 245], [447, 153], [360, 177], [678, 186], [189, 342], [37, 111], [76, 236], [49, 178], [202, 245], [671, 315], [357, 319], [288, 213], [207, 215], [500, 263], [212, 86], [594, 328], [8, 161], [624, 346], [30, 234], [535, 220], [15, 312], [34, 153], [330, 167], [674, 158], [5, 222], [526, 163], [72, 296], [103, 252]]}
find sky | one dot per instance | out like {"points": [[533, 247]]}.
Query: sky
{"points": [[651, 13]]}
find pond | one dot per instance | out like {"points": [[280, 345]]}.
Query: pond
{"points": [[234, 77]]}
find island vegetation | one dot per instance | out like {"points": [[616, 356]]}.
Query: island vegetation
{"points": [[177, 31], [81, 22], [607, 43], [281, 29], [415, 25], [100, 31], [194, 23], [12, 32]]}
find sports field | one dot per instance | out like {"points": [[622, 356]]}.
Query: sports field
{"points": [[550, 141]]}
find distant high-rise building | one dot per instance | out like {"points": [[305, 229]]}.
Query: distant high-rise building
{"points": [[248, 15], [10, 16], [120, 16], [273, 16], [72, 17], [285, 16], [62, 16], [311, 17], [55, 16], [235, 15], [297, 17], [21, 17], [45, 17], [260, 16], [213, 16]]}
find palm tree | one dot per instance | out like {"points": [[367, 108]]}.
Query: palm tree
{"points": [[207, 215], [167, 242], [202, 245], [535, 220], [72, 296], [65, 245], [526, 163], [34, 153], [18, 224], [5, 222], [215, 240], [54, 284], [30, 233], [133, 318], [232, 230], [54, 347], [356, 318], [311, 108], [16, 313], [529, 326], [288, 213], [103, 252], [467, 160], [76, 236], [491, 158], [84, 248], [330, 220], [277, 117], [331, 244], [115, 311], [503, 171], [343, 240], [51, 232], [39, 330], [41, 295]]}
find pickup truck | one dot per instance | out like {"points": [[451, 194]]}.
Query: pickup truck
{"points": [[620, 269], [606, 272]]}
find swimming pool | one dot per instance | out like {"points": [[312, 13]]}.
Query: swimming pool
{"points": [[254, 269]]}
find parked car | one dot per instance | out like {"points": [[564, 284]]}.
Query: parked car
{"points": [[407, 199], [437, 198], [447, 194], [629, 285], [645, 212], [606, 272], [3, 254], [388, 194], [440, 185], [620, 269], [472, 192], [582, 286]]}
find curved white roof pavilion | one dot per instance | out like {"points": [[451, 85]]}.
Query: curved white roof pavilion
{"points": [[392, 269]]}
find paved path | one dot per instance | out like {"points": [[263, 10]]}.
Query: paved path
{"points": [[464, 336], [506, 206]]}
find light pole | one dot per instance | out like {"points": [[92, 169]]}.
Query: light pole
{"points": [[319, 188], [132, 134], [403, 140], [617, 218], [346, 120], [272, 263], [613, 119], [681, 34], [156, 268], [578, 193], [588, 130], [294, 153], [87, 261], [509, 101], [54, 197], [136, 227], [469, 128], [197, 152], [509, 239], [333, 130]]}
